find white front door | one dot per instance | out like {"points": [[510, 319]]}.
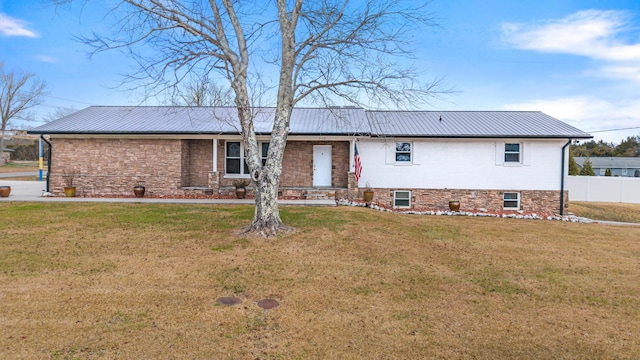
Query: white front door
{"points": [[321, 165]]}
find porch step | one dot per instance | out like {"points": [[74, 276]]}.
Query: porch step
{"points": [[320, 194]]}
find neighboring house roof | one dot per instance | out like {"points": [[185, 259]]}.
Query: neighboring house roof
{"points": [[610, 162], [312, 121]]}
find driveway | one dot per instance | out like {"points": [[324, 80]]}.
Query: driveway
{"points": [[23, 190]]}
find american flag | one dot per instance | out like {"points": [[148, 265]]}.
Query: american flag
{"points": [[357, 171]]}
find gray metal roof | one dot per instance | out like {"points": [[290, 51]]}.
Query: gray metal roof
{"points": [[201, 120], [312, 121], [473, 124], [600, 162]]}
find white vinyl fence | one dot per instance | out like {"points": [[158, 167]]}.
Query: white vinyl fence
{"points": [[603, 189]]}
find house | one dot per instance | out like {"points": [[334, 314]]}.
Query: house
{"points": [[6, 156], [619, 166], [494, 160]]}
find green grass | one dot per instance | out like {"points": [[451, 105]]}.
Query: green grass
{"points": [[94, 280]]}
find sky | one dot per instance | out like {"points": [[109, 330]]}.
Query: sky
{"points": [[578, 61]]}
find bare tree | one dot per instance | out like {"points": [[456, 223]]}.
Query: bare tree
{"points": [[59, 112], [323, 51], [19, 92], [201, 91]]}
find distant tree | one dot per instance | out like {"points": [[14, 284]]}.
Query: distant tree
{"points": [[630, 147], [607, 172], [587, 169], [19, 92], [636, 173], [573, 166], [201, 91], [25, 152], [58, 113]]}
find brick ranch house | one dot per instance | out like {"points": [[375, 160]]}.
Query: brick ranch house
{"points": [[494, 160]]}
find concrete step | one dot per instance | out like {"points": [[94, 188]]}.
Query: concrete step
{"points": [[319, 194]]}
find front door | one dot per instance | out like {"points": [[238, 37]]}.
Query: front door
{"points": [[322, 165]]}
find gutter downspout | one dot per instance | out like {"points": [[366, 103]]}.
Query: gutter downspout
{"points": [[48, 161], [562, 175]]}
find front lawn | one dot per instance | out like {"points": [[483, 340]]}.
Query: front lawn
{"points": [[140, 281]]}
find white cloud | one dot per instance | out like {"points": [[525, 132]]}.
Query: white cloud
{"points": [[14, 27], [622, 72], [595, 34], [590, 33], [46, 58], [590, 114]]}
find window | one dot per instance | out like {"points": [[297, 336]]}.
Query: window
{"points": [[624, 172], [511, 201], [602, 172], [511, 152], [264, 150], [234, 157], [403, 152], [402, 199]]}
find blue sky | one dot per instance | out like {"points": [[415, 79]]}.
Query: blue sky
{"points": [[578, 61]]}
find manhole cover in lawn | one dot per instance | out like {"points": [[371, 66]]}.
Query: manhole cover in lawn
{"points": [[228, 300], [268, 304]]}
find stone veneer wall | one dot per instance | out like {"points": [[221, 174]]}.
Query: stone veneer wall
{"points": [[491, 200], [297, 168], [199, 163], [114, 166]]}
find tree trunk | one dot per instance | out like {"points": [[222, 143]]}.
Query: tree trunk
{"points": [[2, 147], [266, 220], [266, 179]]}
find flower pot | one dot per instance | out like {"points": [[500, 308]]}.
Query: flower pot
{"points": [[368, 196], [454, 205], [70, 191], [5, 191], [241, 192], [138, 190]]}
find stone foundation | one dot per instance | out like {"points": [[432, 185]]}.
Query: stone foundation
{"points": [[470, 200]]}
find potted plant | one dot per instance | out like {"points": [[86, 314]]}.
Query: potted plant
{"points": [[69, 189], [138, 190], [5, 191], [368, 194], [454, 205], [241, 187]]}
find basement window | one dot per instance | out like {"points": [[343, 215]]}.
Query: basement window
{"points": [[402, 199], [511, 201]]}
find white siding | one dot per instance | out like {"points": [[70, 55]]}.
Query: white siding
{"points": [[462, 164]]}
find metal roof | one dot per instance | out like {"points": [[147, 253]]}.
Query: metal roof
{"points": [[312, 121], [201, 120], [610, 162], [472, 124]]}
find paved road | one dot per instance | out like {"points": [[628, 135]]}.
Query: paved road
{"points": [[20, 174], [33, 190]]}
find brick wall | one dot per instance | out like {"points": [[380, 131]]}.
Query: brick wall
{"points": [[492, 200], [297, 163], [198, 163], [114, 166]]}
